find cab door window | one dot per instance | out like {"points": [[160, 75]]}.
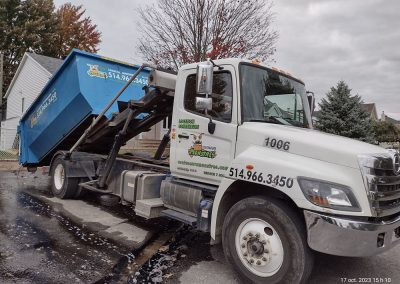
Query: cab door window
{"points": [[221, 96]]}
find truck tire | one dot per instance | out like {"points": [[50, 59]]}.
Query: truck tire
{"points": [[62, 186], [265, 241], [79, 191]]}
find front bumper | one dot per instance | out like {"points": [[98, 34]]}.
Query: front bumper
{"points": [[346, 237]]}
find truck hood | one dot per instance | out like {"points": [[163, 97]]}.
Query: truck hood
{"points": [[307, 142]]}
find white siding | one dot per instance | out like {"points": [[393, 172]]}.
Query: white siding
{"points": [[8, 133], [30, 81], [27, 86]]}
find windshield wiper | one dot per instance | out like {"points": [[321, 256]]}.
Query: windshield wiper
{"points": [[294, 122], [263, 120], [272, 119], [280, 120]]}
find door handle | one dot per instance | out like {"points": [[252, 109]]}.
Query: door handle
{"points": [[181, 136]]}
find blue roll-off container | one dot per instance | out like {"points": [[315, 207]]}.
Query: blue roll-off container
{"points": [[78, 91]]}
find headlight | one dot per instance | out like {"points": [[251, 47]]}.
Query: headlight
{"points": [[329, 195]]}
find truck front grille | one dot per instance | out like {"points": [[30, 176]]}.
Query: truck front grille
{"points": [[384, 191]]}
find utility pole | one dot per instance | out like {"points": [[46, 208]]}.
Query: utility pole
{"points": [[1, 88], [1, 78], [1, 83]]}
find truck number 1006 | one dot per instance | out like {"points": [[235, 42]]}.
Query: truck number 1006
{"points": [[277, 144]]}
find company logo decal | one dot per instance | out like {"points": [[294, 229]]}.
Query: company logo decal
{"points": [[188, 124], [114, 75], [199, 150], [52, 98], [95, 72]]}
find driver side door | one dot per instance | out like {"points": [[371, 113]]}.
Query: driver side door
{"points": [[198, 154]]}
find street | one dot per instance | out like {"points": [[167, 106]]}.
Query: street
{"points": [[47, 240]]}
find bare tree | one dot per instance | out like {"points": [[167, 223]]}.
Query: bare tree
{"points": [[176, 32]]}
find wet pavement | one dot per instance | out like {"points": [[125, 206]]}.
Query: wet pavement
{"points": [[47, 240], [40, 242], [41, 246]]}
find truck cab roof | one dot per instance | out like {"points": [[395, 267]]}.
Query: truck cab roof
{"points": [[238, 61]]}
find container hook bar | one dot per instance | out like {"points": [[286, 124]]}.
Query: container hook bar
{"points": [[95, 121]]}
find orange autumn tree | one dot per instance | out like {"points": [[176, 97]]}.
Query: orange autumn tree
{"points": [[75, 30]]}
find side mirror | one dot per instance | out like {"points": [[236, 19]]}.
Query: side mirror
{"points": [[205, 78], [311, 101], [203, 103], [205, 72]]}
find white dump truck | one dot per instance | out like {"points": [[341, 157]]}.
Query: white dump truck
{"points": [[245, 165]]}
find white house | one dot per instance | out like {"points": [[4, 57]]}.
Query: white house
{"points": [[32, 75]]}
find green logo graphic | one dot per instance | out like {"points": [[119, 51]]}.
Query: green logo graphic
{"points": [[199, 150]]}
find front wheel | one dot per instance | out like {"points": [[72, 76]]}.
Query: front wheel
{"points": [[62, 186], [265, 241]]}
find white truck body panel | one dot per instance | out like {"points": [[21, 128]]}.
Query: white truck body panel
{"points": [[308, 142]]}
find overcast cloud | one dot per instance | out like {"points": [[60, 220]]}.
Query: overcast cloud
{"points": [[321, 42]]}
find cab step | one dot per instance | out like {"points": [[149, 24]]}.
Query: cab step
{"points": [[182, 217]]}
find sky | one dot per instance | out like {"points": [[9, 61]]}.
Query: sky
{"points": [[320, 41]]}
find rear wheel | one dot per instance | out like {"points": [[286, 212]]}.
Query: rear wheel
{"points": [[63, 186], [264, 240]]}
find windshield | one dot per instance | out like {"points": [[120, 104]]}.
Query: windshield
{"points": [[271, 97]]}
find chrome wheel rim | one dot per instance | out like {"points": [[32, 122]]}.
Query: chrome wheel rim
{"points": [[259, 247], [59, 177]]}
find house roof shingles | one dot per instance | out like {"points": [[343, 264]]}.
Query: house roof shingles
{"points": [[392, 120], [49, 63], [368, 107]]}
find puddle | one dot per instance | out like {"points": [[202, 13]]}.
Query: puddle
{"points": [[185, 249]]}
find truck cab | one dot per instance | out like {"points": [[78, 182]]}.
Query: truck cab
{"points": [[245, 165], [262, 152]]}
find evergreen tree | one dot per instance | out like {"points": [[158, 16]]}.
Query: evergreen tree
{"points": [[341, 114], [385, 131], [39, 27], [35, 26], [27, 25], [10, 37]]}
